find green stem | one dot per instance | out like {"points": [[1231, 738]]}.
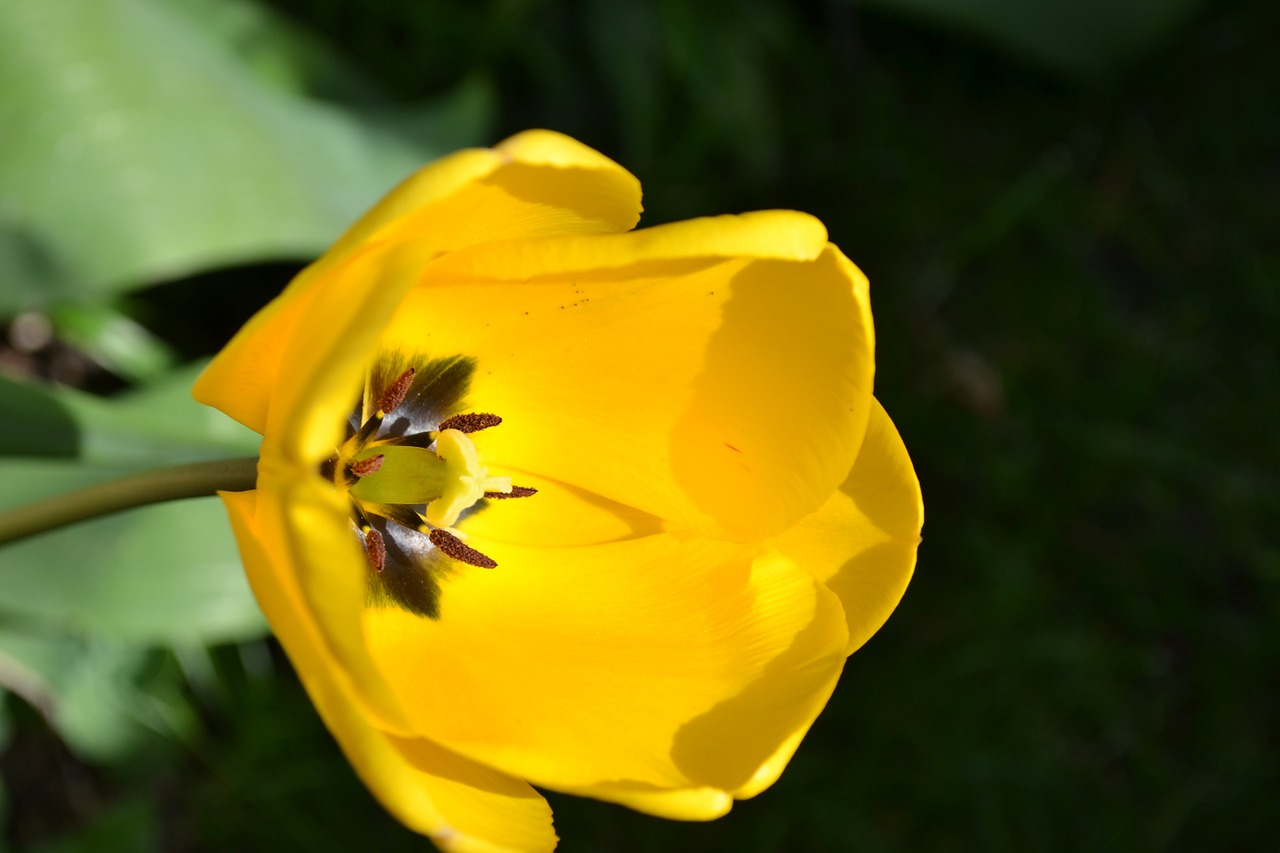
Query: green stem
{"points": [[198, 479]]}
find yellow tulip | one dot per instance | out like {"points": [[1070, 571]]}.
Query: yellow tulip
{"points": [[722, 512]]}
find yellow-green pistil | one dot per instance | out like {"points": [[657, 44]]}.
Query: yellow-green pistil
{"points": [[426, 489]]}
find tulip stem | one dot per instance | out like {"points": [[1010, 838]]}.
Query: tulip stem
{"points": [[198, 479]]}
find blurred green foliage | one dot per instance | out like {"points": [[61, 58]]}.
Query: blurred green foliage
{"points": [[149, 139], [1067, 213], [1083, 39]]}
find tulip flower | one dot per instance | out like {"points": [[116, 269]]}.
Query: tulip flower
{"points": [[543, 500]]}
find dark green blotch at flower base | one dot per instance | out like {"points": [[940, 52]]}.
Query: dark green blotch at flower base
{"points": [[438, 391], [410, 578]]}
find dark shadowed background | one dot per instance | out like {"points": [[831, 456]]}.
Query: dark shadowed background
{"points": [[1068, 212]]}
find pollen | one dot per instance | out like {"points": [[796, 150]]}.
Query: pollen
{"points": [[365, 467], [471, 422], [459, 550], [394, 394], [516, 492], [376, 548]]}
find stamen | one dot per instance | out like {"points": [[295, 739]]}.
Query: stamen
{"points": [[395, 393], [376, 549], [516, 492], [365, 467], [387, 403], [470, 422], [431, 478], [458, 550]]}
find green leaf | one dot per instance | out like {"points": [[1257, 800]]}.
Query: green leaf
{"points": [[144, 141], [105, 697], [168, 573], [158, 425], [1075, 38], [114, 340]]}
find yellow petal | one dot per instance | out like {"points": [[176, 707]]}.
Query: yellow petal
{"points": [[605, 196], [429, 185], [660, 663], [533, 184], [538, 167], [301, 524], [558, 516], [551, 148], [725, 396], [769, 771], [778, 234], [240, 380], [459, 804], [862, 543], [322, 367], [679, 804]]}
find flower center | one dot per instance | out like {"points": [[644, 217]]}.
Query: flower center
{"points": [[448, 477], [412, 472]]}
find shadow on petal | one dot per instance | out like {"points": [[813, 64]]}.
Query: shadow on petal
{"points": [[876, 578], [585, 195], [729, 745], [780, 405]]}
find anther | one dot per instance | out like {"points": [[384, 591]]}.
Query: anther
{"points": [[376, 548], [459, 550], [516, 492], [470, 422], [395, 393], [365, 467], [390, 400]]}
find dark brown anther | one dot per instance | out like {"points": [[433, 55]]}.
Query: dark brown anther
{"points": [[394, 395], [471, 422], [365, 467], [516, 492], [459, 550], [376, 549]]}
